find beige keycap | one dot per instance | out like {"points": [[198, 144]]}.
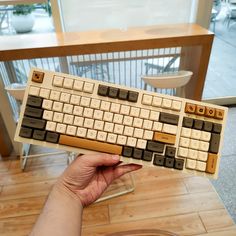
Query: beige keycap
{"points": [[78, 85], [88, 112], [201, 166], [157, 101], [78, 111], [144, 113], [121, 140], [68, 83], [78, 121], [98, 115], [51, 126], [34, 90], [134, 111], [87, 144], [115, 107], [99, 124], [154, 115], [128, 131], [202, 156], [58, 117], [182, 152], [55, 95], [128, 120], [124, 110], [95, 103], [184, 142], [194, 144], [118, 119], [203, 146], [157, 126], [68, 108], [105, 106], [65, 97], [108, 116], [166, 103], [108, 127], [71, 130], [61, 128], [131, 142], [47, 115], [81, 132], [141, 143], [205, 136], [195, 134], [85, 101], [58, 81], [111, 138], [75, 99], [47, 104], [137, 123], [176, 105], [68, 119], [91, 134], [138, 133], [186, 132], [192, 154], [57, 106], [169, 129], [148, 135], [147, 124], [101, 136], [88, 123], [118, 129], [191, 164], [88, 87], [147, 99]]}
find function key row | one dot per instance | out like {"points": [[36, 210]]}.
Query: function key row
{"points": [[121, 94], [204, 111], [202, 125], [166, 103], [69, 83]]}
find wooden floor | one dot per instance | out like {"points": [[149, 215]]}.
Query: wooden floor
{"points": [[163, 199]]}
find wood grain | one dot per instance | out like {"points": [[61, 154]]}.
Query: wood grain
{"points": [[163, 199]]}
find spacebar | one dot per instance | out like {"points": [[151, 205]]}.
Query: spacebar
{"points": [[90, 144]]}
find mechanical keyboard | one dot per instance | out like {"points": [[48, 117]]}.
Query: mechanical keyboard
{"points": [[89, 116]]}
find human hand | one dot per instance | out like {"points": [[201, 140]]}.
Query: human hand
{"points": [[88, 176]]}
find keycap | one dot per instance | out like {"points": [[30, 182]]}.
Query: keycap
{"points": [[68, 83], [33, 123], [207, 126], [191, 164], [132, 96], [187, 122], [102, 90], [39, 134], [200, 110], [169, 162], [198, 124], [159, 160], [127, 151], [88, 87], [155, 146], [179, 164], [34, 101], [169, 118], [137, 153], [123, 94], [86, 144], [211, 163], [113, 92], [44, 93], [78, 85], [190, 108], [147, 155], [34, 91], [170, 151], [58, 81], [210, 112], [219, 114], [52, 137], [25, 132], [147, 99], [214, 143], [33, 112], [38, 76], [217, 128], [164, 138]]}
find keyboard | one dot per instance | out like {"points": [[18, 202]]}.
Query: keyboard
{"points": [[89, 116]]}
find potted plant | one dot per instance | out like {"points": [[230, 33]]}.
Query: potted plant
{"points": [[23, 19]]}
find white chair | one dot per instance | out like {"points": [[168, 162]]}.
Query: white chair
{"points": [[175, 81]]}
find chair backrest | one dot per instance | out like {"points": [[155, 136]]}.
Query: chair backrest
{"points": [[169, 81], [16, 90]]}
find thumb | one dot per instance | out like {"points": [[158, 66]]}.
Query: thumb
{"points": [[96, 160]]}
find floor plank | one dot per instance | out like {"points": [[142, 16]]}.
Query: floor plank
{"points": [[216, 219], [164, 206], [21, 207], [26, 190], [4, 165], [189, 224], [20, 226], [230, 232]]}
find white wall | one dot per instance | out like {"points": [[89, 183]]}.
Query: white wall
{"points": [[81, 15]]}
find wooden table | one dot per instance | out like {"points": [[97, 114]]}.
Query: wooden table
{"points": [[163, 199]]}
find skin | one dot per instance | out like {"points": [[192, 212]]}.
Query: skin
{"points": [[81, 184]]}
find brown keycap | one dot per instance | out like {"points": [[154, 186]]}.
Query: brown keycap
{"points": [[211, 163], [200, 110], [210, 112], [219, 114], [37, 77], [190, 108], [164, 138], [90, 144]]}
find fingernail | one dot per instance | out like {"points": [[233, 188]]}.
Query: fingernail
{"points": [[115, 157]]}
